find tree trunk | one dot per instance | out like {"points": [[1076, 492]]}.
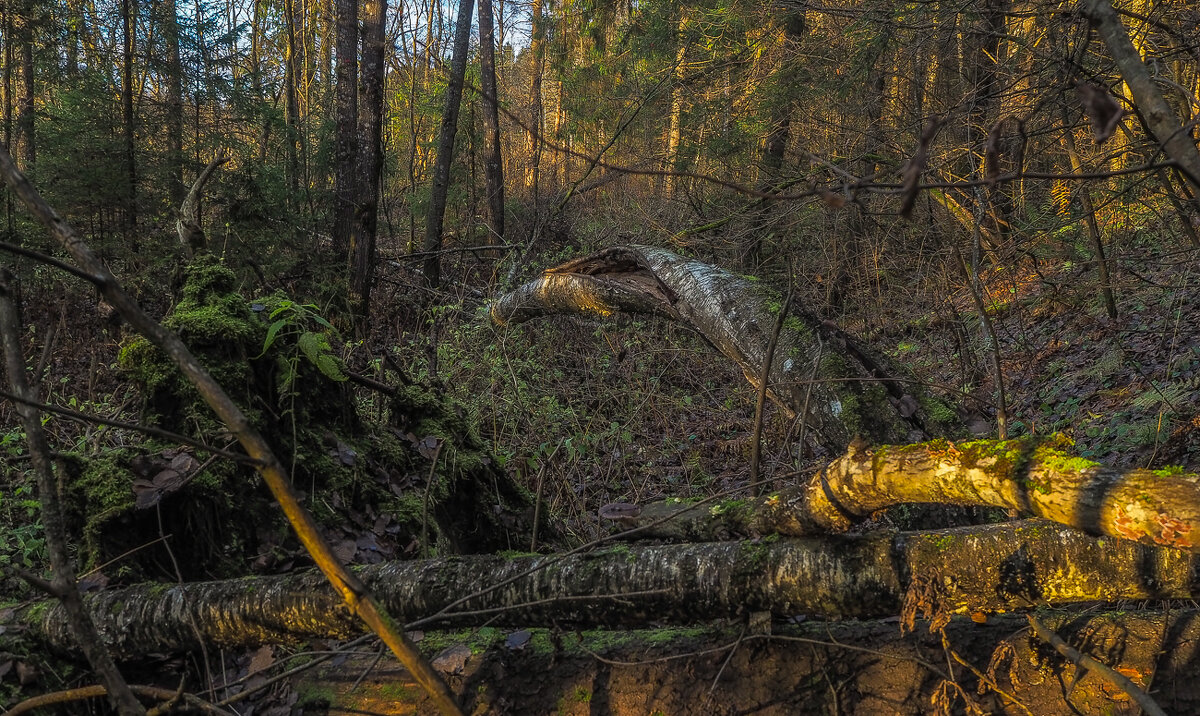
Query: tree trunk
{"points": [[175, 157], [993, 568], [493, 166], [774, 147], [27, 143], [432, 268], [129, 25], [346, 144], [537, 111], [370, 158], [1090, 225], [1161, 121], [1159, 507], [839, 386], [291, 82]]}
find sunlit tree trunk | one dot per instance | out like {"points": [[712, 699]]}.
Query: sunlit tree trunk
{"points": [[675, 126], [346, 144], [370, 157], [537, 49], [493, 166], [8, 101], [432, 268]]}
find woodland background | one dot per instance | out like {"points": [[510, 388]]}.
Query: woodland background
{"points": [[969, 187]]}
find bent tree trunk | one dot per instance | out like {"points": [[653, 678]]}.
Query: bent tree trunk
{"points": [[840, 388]]}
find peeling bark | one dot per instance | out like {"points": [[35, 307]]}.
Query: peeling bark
{"points": [[993, 568], [853, 392]]}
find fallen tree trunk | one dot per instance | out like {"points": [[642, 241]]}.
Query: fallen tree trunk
{"points": [[992, 568], [1156, 507], [810, 668], [840, 387]]}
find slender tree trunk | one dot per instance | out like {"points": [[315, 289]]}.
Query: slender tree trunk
{"points": [[774, 149], [445, 152], [129, 25], [8, 103], [175, 156], [63, 584], [1090, 225], [293, 105], [675, 123], [370, 158], [27, 145], [537, 111], [346, 146], [493, 164]]}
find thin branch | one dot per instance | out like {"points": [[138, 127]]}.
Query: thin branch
{"points": [[1081, 660], [96, 691], [48, 260], [62, 583], [135, 427], [764, 378]]}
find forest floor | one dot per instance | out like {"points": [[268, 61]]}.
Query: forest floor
{"points": [[634, 410]]}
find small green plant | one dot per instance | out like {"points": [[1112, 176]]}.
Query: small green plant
{"points": [[312, 341]]}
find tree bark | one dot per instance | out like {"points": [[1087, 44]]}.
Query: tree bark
{"points": [[432, 268], [816, 667], [1160, 119], [346, 143], [993, 568], [1154, 507], [839, 387], [493, 165], [129, 24], [775, 145], [537, 110], [1091, 226], [370, 158], [25, 106], [174, 69], [188, 226]]}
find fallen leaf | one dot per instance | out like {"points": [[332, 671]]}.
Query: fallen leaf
{"points": [[262, 659], [453, 659], [344, 550]]}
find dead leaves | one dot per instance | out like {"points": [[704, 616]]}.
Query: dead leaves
{"points": [[161, 474]]}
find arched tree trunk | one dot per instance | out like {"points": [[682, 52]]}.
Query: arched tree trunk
{"points": [[839, 387]]}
